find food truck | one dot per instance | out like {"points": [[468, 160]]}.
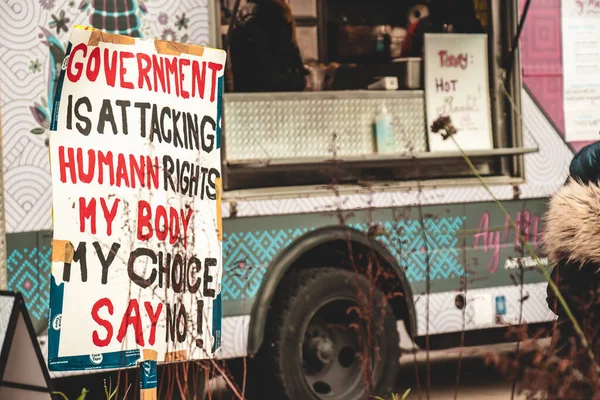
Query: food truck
{"points": [[317, 202]]}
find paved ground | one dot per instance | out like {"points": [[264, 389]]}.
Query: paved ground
{"points": [[477, 381]]}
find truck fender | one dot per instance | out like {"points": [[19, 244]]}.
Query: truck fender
{"points": [[286, 258]]}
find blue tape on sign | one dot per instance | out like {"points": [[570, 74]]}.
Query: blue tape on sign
{"points": [[58, 92], [88, 362], [220, 110], [54, 322], [148, 376], [217, 317], [500, 305], [92, 362]]}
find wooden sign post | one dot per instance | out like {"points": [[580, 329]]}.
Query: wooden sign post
{"points": [[148, 376]]}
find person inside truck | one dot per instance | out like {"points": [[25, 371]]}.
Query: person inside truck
{"points": [[451, 16], [264, 52]]}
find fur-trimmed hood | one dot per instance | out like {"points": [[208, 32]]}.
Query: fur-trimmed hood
{"points": [[572, 224]]}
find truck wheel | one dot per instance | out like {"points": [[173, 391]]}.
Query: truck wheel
{"points": [[312, 349]]}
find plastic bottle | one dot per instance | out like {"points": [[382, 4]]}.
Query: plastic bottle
{"points": [[380, 40], [384, 132]]}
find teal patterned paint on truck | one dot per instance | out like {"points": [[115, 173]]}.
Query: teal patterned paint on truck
{"points": [[461, 240], [453, 241], [28, 272]]}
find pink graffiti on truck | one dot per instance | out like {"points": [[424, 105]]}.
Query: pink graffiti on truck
{"points": [[526, 223]]}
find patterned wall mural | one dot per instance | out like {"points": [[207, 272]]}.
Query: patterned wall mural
{"points": [[33, 41], [29, 272]]}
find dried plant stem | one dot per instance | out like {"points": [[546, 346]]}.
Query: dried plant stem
{"points": [[533, 254], [182, 385], [207, 382], [423, 230], [522, 283], [231, 385], [244, 377], [428, 292], [465, 288]]}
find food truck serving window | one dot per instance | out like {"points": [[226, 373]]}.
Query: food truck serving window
{"points": [[355, 88]]}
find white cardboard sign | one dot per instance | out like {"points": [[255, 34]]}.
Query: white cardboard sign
{"points": [[457, 85], [136, 261]]}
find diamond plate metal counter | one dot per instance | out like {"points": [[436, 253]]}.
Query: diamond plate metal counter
{"points": [[309, 124]]}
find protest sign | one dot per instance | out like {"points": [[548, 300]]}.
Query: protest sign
{"points": [[135, 158], [457, 86]]}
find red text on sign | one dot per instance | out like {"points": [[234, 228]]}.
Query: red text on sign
{"points": [[166, 74], [448, 60], [118, 169], [132, 317], [163, 223], [87, 210]]}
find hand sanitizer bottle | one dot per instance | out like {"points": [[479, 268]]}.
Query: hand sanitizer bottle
{"points": [[384, 132]]}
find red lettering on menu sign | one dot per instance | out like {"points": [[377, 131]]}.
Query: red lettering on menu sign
{"points": [[448, 60]]}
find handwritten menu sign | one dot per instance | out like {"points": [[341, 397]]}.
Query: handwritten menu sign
{"points": [[136, 254], [581, 68], [456, 85]]}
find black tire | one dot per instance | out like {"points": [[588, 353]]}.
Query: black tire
{"points": [[295, 359]]}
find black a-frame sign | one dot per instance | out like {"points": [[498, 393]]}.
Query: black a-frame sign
{"points": [[23, 372]]}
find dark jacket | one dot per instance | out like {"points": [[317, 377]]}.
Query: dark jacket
{"points": [[585, 166], [264, 52], [572, 241]]}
